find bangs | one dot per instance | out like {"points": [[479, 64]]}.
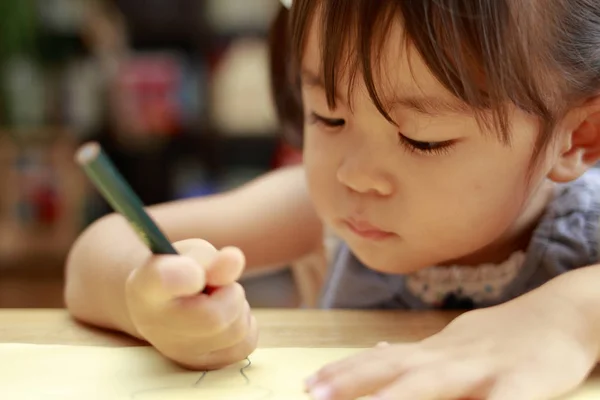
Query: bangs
{"points": [[482, 52]]}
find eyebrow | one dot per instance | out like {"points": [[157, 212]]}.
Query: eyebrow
{"points": [[427, 105]]}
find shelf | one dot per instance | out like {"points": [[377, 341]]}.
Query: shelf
{"points": [[21, 240], [152, 163], [18, 244], [36, 134]]}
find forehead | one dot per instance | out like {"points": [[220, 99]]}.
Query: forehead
{"points": [[398, 69]]}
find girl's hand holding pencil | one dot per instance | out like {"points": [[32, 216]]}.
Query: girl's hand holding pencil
{"points": [[197, 330], [184, 299]]}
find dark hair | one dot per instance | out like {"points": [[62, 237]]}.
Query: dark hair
{"points": [[542, 56]]}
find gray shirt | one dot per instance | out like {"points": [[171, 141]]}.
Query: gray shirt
{"points": [[567, 237]]}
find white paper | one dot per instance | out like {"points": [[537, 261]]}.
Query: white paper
{"points": [[48, 372]]}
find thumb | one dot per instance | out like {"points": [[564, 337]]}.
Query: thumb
{"points": [[165, 278]]}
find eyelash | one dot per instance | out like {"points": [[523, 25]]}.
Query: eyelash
{"points": [[413, 146], [329, 123], [426, 148]]}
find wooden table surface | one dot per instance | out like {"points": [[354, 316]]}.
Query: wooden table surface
{"points": [[278, 328]]}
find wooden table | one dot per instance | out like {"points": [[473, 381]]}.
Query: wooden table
{"points": [[278, 328]]}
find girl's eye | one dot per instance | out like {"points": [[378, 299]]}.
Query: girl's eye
{"points": [[327, 122], [425, 147]]}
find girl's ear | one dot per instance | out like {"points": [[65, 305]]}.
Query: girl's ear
{"points": [[579, 143]]}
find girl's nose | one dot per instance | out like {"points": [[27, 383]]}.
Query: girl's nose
{"points": [[364, 177]]}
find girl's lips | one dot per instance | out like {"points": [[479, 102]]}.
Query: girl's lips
{"points": [[367, 230]]}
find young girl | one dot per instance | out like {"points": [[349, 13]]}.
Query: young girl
{"points": [[446, 142]]}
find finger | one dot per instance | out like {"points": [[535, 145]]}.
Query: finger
{"points": [[226, 268], [519, 386], [355, 382], [237, 331], [194, 334], [186, 329], [401, 355], [196, 248], [211, 315], [444, 381], [223, 267], [164, 278], [221, 358], [366, 372]]}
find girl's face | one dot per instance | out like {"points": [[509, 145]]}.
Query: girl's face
{"points": [[435, 188]]}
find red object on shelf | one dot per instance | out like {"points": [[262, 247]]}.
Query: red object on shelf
{"points": [[47, 205], [149, 89]]}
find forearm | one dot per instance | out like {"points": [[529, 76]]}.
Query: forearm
{"points": [[96, 272], [574, 298], [273, 212], [271, 220]]}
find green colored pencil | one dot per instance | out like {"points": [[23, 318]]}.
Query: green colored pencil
{"points": [[121, 197]]}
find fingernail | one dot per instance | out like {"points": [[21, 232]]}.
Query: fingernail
{"points": [[320, 393]]}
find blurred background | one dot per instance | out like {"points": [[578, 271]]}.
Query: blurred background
{"points": [[175, 90]]}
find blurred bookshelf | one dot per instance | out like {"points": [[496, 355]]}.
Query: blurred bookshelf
{"points": [[176, 91]]}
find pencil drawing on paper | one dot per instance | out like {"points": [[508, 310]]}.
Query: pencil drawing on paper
{"points": [[228, 383]]}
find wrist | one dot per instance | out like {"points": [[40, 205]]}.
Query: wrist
{"points": [[563, 303]]}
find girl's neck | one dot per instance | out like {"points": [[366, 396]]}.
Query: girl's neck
{"points": [[517, 237]]}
